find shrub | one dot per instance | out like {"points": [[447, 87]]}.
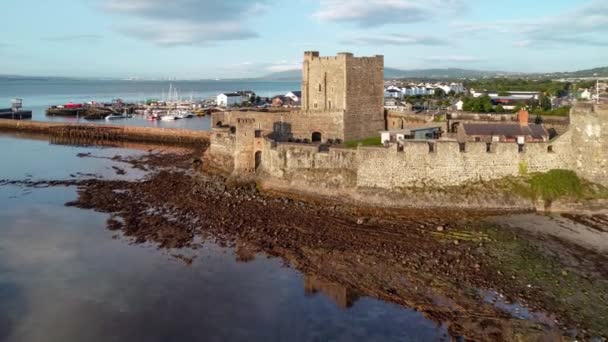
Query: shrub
{"points": [[555, 184], [523, 168]]}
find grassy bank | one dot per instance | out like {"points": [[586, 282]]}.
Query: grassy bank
{"points": [[554, 185], [373, 141]]}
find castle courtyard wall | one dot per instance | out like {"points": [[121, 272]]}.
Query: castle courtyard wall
{"points": [[583, 149]]}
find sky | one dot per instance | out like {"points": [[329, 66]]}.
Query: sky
{"points": [[201, 39]]}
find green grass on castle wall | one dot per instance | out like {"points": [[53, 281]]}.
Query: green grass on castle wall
{"points": [[373, 141]]}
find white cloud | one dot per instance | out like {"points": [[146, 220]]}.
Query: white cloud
{"points": [[186, 22], [369, 13], [584, 24], [175, 33], [395, 39]]}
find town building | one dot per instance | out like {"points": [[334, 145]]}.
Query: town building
{"points": [[433, 132], [521, 133], [392, 92], [585, 95], [279, 101], [459, 105], [229, 99], [510, 102], [295, 96]]}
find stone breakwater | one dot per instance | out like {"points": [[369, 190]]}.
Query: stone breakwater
{"points": [[109, 132]]}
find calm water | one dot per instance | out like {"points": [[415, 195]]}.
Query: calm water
{"points": [[38, 94], [63, 277]]}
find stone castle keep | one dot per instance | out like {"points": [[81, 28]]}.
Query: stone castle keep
{"points": [[351, 87], [342, 100]]}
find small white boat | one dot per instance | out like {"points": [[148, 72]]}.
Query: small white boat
{"points": [[168, 117], [117, 117], [182, 114]]}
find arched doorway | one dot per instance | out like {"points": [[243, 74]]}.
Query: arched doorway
{"points": [[316, 137], [258, 159], [218, 124]]}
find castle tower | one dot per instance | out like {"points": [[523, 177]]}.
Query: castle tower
{"points": [[349, 87]]}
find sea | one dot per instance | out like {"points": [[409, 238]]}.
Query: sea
{"points": [[65, 277], [40, 93]]}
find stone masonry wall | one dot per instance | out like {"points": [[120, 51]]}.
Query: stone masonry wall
{"points": [[324, 83], [303, 165], [352, 87], [364, 116], [583, 149], [589, 131], [296, 124]]}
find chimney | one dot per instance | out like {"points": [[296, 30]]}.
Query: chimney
{"points": [[523, 116]]}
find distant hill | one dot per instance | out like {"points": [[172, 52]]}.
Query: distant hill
{"points": [[595, 72], [289, 75], [449, 73]]}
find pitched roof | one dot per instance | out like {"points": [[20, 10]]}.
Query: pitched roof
{"points": [[231, 94], [296, 93], [424, 128], [508, 130]]}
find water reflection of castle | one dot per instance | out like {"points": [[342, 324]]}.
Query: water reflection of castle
{"points": [[345, 298], [341, 295]]}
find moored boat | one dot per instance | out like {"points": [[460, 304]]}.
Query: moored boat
{"points": [[117, 117], [168, 117], [182, 114]]}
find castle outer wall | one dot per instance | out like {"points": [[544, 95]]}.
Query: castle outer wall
{"points": [[583, 149]]}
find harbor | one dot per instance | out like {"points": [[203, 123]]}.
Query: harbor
{"points": [[144, 100]]}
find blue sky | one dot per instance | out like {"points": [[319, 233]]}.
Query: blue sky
{"points": [[194, 39]]}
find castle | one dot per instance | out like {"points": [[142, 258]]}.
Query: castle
{"points": [[342, 101]]}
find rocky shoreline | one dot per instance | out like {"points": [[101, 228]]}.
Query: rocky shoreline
{"points": [[451, 265]]}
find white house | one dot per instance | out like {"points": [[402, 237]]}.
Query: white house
{"points": [[398, 135], [407, 91], [229, 99], [475, 93], [295, 96], [393, 92], [458, 88], [459, 105], [585, 95]]}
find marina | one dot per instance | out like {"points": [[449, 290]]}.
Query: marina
{"points": [[146, 97]]}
